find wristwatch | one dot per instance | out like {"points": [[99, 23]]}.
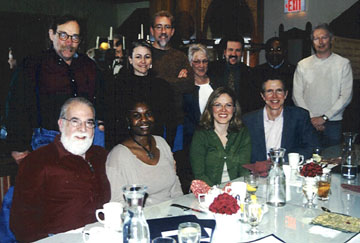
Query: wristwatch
{"points": [[325, 117]]}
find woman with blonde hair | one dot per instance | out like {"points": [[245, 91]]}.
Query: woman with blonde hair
{"points": [[222, 144]]}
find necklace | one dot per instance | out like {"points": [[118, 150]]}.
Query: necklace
{"points": [[148, 151]]}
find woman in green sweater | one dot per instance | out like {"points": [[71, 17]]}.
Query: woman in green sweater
{"points": [[222, 144]]}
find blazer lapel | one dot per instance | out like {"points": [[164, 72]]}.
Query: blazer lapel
{"points": [[286, 128]]}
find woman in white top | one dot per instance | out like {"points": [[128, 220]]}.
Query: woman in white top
{"points": [[143, 159], [194, 103]]}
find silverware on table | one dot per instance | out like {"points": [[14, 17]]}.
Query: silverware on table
{"points": [[187, 208]]}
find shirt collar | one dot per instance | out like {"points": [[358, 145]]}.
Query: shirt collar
{"points": [[266, 118], [276, 66]]}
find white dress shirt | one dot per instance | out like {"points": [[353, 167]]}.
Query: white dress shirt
{"points": [[273, 131]]}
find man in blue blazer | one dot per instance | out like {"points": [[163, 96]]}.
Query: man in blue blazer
{"points": [[277, 125]]}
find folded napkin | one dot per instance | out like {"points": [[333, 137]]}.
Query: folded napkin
{"points": [[353, 188], [337, 221], [260, 167], [199, 187]]}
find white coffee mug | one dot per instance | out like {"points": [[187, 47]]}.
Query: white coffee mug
{"points": [[100, 235], [112, 215], [295, 159]]}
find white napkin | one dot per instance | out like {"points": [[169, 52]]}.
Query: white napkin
{"points": [[323, 231]]}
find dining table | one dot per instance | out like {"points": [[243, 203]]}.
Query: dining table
{"points": [[290, 223]]}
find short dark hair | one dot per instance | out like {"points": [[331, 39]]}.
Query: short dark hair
{"points": [[118, 43], [62, 20], [273, 77], [236, 38], [163, 13], [138, 43], [272, 40], [207, 118], [323, 26]]}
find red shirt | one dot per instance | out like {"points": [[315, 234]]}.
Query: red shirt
{"points": [[56, 191]]}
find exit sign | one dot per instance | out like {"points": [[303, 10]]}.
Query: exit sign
{"points": [[291, 6]]}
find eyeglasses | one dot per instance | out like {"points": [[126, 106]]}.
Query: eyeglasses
{"points": [[278, 49], [64, 36], [227, 106], [75, 122], [271, 92], [197, 62], [160, 27], [322, 38]]}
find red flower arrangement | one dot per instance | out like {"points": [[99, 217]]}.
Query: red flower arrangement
{"points": [[224, 204], [311, 170]]}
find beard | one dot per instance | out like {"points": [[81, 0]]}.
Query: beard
{"points": [[163, 42], [74, 145]]}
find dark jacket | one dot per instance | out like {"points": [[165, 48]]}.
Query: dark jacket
{"points": [[192, 113], [56, 191], [58, 81], [298, 134], [244, 88]]}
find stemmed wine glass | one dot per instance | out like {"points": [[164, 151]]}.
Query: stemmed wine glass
{"points": [[254, 214], [310, 189]]}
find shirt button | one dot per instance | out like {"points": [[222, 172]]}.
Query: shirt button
{"points": [[72, 80]]}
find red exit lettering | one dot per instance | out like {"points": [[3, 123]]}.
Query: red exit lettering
{"points": [[293, 5]]}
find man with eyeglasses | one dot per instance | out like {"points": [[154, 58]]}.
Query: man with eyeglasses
{"points": [[232, 72], [60, 186], [279, 126], [168, 63], [323, 85], [276, 64], [42, 84]]}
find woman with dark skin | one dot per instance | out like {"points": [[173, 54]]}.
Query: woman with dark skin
{"points": [[144, 159], [139, 83]]}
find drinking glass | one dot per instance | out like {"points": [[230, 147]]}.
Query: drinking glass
{"points": [[310, 189], [324, 186], [254, 214], [163, 240], [252, 182], [189, 232]]}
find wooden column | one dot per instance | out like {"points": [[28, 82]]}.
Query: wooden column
{"points": [[157, 5]]}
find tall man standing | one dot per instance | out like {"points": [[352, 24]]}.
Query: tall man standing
{"points": [[232, 73], [43, 83], [60, 186], [323, 85], [170, 64]]}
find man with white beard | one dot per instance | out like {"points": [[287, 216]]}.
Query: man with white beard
{"points": [[59, 186]]}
